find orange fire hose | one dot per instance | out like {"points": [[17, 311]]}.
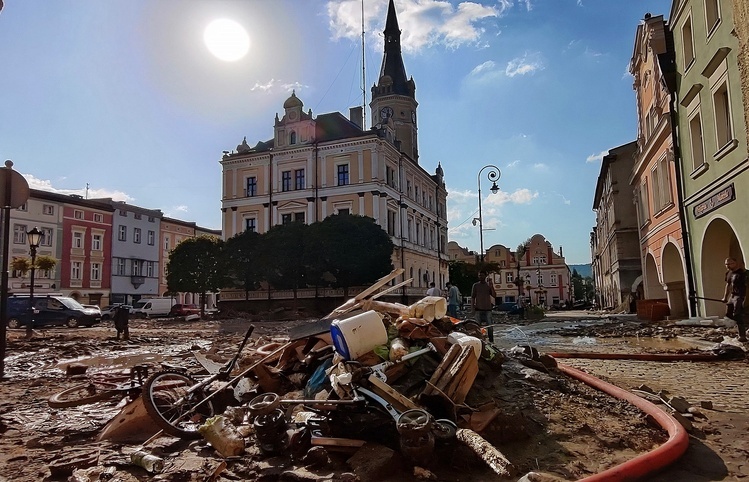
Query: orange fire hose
{"points": [[647, 463]]}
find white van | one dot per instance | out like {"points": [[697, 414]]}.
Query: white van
{"points": [[151, 307]]}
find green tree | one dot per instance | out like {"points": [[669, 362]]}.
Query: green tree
{"points": [[353, 250], [242, 257], [463, 275], [197, 265], [282, 256]]}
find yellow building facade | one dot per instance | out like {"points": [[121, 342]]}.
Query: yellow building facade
{"points": [[319, 165]]}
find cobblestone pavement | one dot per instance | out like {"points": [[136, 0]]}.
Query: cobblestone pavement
{"points": [[721, 382]]}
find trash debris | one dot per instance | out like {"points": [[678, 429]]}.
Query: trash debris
{"points": [[145, 460], [223, 436]]}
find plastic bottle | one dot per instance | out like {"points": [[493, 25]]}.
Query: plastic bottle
{"points": [[151, 463]]}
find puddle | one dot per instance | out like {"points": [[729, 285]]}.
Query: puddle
{"points": [[120, 361], [541, 335]]}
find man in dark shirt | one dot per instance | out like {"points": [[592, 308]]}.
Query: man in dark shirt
{"points": [[481, 299], [735, 295]]}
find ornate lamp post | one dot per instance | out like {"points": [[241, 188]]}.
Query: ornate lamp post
{"points": [[493, 175], [34, 237]]}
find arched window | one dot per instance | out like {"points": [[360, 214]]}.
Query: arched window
{"points": [[412, 276], [292, 138]]}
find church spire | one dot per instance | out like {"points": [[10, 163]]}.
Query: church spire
{"points": [[392, 60]]}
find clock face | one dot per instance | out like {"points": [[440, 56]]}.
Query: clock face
{"points": [[386, 113]]}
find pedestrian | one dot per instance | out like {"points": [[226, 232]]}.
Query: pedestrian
{"points": [[433, 290], [121, 320], [453, 300], [482, 293], [735, 294]]}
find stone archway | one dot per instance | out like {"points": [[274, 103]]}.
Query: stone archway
{"points": [[672, 264], [76, 296], [653, 286], [718, 243]]}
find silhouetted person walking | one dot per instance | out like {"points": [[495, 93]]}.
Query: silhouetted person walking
{"points": [[735, 295], [121, 321]]}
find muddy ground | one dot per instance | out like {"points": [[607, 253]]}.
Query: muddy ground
{"points": [[547, 422]]}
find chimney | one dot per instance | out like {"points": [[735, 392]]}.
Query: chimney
{"points": [[560, 252], [356, 115]]}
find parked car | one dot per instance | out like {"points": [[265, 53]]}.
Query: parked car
{"points": [[107, 313], [184, 310], [150, 307], [93, 307], [50, 310]]}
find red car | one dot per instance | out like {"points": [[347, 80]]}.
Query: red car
{"points": [[184, 310]]}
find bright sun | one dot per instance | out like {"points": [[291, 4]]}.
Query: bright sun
{"points": [[226, 39]]}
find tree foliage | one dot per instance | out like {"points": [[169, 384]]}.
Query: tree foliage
{"points": [[197, 265], [354, 250], [282, 256], [243, 268]]}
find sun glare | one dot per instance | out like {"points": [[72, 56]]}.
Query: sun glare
{"points": [[226, 39]]}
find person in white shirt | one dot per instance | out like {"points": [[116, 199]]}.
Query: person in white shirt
{"points": [[433, 290]]}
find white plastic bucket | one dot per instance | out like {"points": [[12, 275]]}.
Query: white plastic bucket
{"points": [[360, 334], [462, 339]]}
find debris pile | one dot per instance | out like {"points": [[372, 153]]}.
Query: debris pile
{"points": [[383, 386]]}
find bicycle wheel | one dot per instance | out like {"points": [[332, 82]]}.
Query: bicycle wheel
{"points": [[83, 394], [171, 407]]}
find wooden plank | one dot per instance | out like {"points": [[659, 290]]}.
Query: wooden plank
{"points": [[396, 399], [444, 365], [458, 390], [454, 368]]}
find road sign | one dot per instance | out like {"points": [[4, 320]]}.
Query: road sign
{"points": [[16, 183]]}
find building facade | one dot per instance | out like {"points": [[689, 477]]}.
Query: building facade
{"points": [[135, 252], [317, 166], [615, 243], [540, 276], [86, 246], [654, 176], [713, 142]]}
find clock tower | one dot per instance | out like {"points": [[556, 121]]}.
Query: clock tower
{"points": [[394, 95]]}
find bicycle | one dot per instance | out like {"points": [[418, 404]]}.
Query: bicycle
{"points": [[178, 403], [101, 387]]}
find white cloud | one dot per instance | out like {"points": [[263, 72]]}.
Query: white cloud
{"points": [[540, 166], [528, 5], [527, 64], [46, 185], [520, 196], [487, 66], [580, 3], [424, 23], [597, 157], [264, 87], [514, 163], [460, 196]]}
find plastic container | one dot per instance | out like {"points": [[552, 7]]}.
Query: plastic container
{"points": [[151, 463], [462, 339], [360, 334]]}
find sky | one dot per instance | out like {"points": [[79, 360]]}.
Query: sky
{"points": [[124, 98]]}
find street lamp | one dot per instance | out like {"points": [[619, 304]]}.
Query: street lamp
{"points": [[34, 238], [493, 175]]}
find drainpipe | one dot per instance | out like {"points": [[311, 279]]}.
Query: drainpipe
{"points": [[671, 84]]}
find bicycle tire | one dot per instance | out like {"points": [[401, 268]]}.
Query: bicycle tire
{"points": [[160, 393], [82, 394]]}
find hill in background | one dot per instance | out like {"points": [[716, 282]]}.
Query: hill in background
{"points": [[584, 269]]}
